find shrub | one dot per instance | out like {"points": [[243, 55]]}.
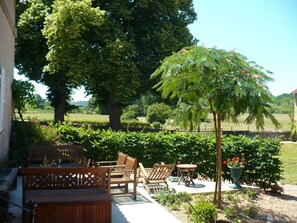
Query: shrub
{"points": [[173, 200], [24, 134], [157, 125], [158, 112], [202, 212], [131, 112], [263, 165]]}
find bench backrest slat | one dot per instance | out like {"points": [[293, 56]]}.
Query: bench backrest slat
{"points": [[63, 152], [66, 178]]}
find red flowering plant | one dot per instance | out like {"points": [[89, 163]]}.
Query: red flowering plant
{"points": [[235, 162]]}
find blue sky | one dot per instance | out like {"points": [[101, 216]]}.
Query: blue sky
{"points": [[265, 31]]}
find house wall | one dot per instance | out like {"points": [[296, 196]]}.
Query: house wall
{"points": [[295, 106], [7, 42]]}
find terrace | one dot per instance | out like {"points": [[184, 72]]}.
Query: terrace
{"points": [[125, 209]]}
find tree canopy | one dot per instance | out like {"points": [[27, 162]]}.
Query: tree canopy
{"points": [[226, 81], [112, 55]]}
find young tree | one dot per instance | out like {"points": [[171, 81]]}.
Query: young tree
{"points": [[22, 94], [229, 83]]}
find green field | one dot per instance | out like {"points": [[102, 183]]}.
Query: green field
{"points": [[42, 115], [289, 159], [73, 117]]}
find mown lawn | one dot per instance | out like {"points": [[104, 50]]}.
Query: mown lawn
{"points": [[48, 115], [289, 158]]}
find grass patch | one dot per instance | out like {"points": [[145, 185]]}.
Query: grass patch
{"points": [[288, 158]]}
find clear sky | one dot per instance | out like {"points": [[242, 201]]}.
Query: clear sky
{"points": [[265, 31]]}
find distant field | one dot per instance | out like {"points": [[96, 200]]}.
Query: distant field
{"points": [[49, 116], [284, 119], [42, 115]]}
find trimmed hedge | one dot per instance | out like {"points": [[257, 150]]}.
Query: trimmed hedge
{"points": [[263, 166]]}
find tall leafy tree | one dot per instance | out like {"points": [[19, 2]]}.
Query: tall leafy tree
{"points": [[124, 50], [67, 30], [143, 32], [31, 51], [229, 83], [43, 57]]}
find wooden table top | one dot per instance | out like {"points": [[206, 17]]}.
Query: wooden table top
{"points": [[186, 166]]}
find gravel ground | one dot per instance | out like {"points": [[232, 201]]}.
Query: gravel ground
{"points": [[280, 208]]}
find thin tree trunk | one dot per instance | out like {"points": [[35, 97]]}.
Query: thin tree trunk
{"points": [[216, 170], [219, 160], [115, 113], [218, 185], [21, 115]]}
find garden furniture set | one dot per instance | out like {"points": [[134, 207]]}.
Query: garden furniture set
{"points": [[70, 190]]}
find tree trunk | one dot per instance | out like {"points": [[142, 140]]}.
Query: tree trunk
{"points": [[218, 186], [60, 102], [219, 161], [115, 113]]}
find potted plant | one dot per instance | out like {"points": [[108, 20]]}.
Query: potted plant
{"points": [[236, 166]]}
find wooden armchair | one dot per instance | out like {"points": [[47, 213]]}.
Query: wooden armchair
{"points": [[129, 176], [153, 177], [117, 166]]}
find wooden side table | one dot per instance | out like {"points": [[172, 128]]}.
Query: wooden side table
{"points": [[186, 173]]}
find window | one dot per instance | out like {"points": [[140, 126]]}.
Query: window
{"points": [[2, 99]]}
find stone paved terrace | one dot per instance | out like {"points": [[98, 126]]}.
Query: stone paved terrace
{"points": [[125, 209]]}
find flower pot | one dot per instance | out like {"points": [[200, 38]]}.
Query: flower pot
{"points": [[235, 174]]}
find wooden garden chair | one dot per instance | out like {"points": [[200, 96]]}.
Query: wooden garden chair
{"points": [[154, 177], [129, 176], [117, 166]]}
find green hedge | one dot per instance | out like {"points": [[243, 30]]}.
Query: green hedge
{"points": [[263, 167]]}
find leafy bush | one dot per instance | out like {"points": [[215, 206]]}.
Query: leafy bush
{"points": [[263, 165], [157, 125], [158, 112], [172, 200], [131, 112], [202, 212], [24, 134], [240, 205]]}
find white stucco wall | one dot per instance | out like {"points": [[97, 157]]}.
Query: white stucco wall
{"points": [[295, 109], [7, 42]]}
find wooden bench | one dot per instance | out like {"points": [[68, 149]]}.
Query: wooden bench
{"points": [[67, 195], [117, 166], [57, 154]]}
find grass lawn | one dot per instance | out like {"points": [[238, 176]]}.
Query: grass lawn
{"points": [[289, 158], [73, 117], [42, 115]]}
